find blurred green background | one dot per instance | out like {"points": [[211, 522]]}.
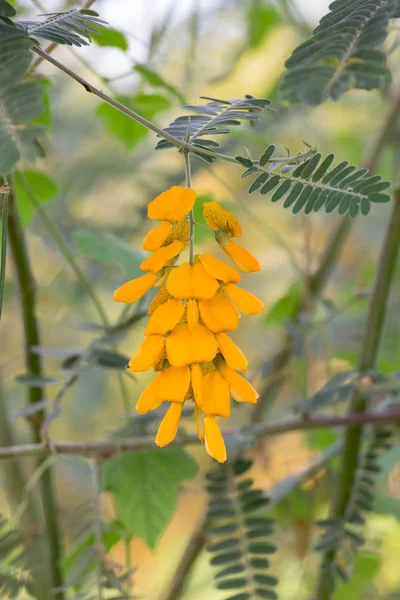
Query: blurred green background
{"points": [[99, 174]]}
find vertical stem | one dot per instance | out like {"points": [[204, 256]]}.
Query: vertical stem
{"points": [[97, 526], [4, 193], [188, 178], [33, 365], [367, 360]]}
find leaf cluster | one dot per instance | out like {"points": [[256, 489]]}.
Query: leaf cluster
{"points": [[15, 565], [239, 533], [342, 53], [216, 117], [313, 185]]}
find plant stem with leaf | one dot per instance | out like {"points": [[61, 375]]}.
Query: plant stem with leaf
{"points": [[33, 364], [359, 403]]}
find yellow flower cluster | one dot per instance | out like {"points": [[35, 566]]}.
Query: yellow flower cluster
{"points": [[186, 341]]}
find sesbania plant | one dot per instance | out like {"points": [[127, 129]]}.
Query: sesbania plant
{"points": [[198, 301]]}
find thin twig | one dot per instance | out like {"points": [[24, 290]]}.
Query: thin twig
{"points": [[107, 448], [4, 193]]}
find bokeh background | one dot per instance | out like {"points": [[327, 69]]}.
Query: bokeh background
{"points": [[106, 171]]}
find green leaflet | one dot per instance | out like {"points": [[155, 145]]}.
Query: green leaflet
{"points": [[19, 102], [343, 53], [145, 485], [107, 248]]}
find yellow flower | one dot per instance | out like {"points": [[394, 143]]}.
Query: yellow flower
{"points": [[240, 256], [172, 204], [185, 347], [165, 317], [214, 442], [185, 341], [218, 217], [247, 303], [215, 395], [157, 236], [135, 289], [240, 388], [231, 353], [188, 282], [169, 425], [219, 314], [218, 269], [160, 257]]}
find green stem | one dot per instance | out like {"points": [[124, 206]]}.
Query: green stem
{"points": [[359, 403], [4, 193], [188, 178], [33, 365]]}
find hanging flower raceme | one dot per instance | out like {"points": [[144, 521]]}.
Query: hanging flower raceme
{"points": [[198, 302]]}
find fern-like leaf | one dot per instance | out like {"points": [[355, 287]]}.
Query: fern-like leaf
{"points": [[14, 564], [19, 102], [71, 27], [313, 185], [239, 544], [214, 118], [343, 53]]}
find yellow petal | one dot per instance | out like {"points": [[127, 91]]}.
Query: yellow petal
{"points": [[241, 389], [169, 425], [199, 423], [218, 269], [215, 395], [232, 353], [218, 217], [214, 441], [171, 205], [162, 296], [179, 282], [241, 257], [149, 399], [192, 314], [185, 347], [173, 383], [135, 289], [149, 352], [191, 282], [246, 302], [196, 379], [157, 236], [165, 317], [158, 259], [219, 314], [204, 286]]}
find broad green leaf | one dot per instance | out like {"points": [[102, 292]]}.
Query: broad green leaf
{"points": [[19, 103], [285, 308], [155, 80], [261, 18], [107, 248], [145, 485], [6, 10], [45, 190], [127, 130], [111, 37]]}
